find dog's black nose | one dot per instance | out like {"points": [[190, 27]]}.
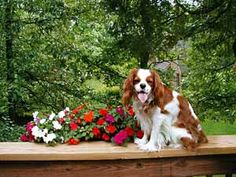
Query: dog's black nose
{"points": [[142, 86]]}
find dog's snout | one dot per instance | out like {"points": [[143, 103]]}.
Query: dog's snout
{"points": [[142, 86]]}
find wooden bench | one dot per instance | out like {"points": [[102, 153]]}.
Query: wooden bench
{"points": [[102, 159]]}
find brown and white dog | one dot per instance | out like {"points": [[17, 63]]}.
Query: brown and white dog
{"points": [[165, 116]]}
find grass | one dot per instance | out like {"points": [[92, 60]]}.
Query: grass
{"points": [[212, 127]]}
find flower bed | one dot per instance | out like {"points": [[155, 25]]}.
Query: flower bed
{"points": [[83, 124]]}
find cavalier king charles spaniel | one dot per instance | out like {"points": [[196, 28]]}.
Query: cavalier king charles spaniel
{"points": [[165, 116]]}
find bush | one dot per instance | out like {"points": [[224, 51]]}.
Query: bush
{"points": [[9, 131]]}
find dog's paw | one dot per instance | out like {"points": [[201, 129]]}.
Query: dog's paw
{"points": [[149, 147], [140, 142]]}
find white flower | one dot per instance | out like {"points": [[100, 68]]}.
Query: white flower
{"points": [[67, 109], [35, 115], [56, 125], [49, 137], [37, 133], [61, 114], [52, 116], [62, 139], [42, 121], [45, 131]]}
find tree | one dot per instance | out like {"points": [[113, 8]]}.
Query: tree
{"points": [[210, 82], [50, 49], [146, 29]]}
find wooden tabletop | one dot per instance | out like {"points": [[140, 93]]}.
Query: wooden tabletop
{"points": [[20, 151]]}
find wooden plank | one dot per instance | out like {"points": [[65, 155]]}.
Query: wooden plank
{"points": [[19, 151], [163, 167]]}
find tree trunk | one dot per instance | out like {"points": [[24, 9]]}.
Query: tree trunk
{"points": [[9, 58], [148, 31]]}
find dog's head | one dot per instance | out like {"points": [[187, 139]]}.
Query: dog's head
{"points": [[143, 84]]}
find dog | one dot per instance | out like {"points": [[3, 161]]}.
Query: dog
{"points": [[165, 116]]}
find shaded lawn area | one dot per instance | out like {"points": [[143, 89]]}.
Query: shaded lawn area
{"points": [[212, 127]]}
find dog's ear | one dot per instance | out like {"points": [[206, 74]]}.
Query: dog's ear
{"points": [[128, 87], [158, 90]]}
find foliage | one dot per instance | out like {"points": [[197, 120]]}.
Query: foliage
{"points": [[82, 124], [210, 82], [9, 131], [50, 49], [147, 29]]}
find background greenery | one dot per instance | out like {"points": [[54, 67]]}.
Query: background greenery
{"points": [[64, 52]]}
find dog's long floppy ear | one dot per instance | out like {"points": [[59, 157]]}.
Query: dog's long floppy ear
{"points": [[128, 87], [158, 90]]}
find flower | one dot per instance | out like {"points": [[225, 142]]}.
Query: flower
{"points": [[42, 121], [129, 131], [61, 114], [73, 141], [78, 109], [35, 114], [52, 116], [103, 112], [109, 118], [100, 121], [105, 137], [49, 137], [24, 138], [139, 134], [111, 129], [61, 120], [37, 133], [89, 117], [96, 132], [120, 111], [73, 126], [120, 137], [56, 125], [29, 127], [131, 111]]}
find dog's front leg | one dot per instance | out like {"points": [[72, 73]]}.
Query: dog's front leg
{"points": [[146, 127], [156, 138]]}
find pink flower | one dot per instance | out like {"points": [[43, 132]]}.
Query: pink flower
{"points": [[29, 127], [120, 137], [109, 118], [120, 111]]}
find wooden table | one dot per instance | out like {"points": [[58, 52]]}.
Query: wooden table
{"points": [[100, 159]]}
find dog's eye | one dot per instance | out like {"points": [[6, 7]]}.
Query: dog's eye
{"points": [[149, 81], [136, 80]]}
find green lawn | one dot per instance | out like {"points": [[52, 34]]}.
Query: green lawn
{"points": [[212, 127]]}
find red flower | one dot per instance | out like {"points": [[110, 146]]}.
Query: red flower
{"points": [[131, 111], [89, 117], [139, 134], [78, 120], [70, 116], [111, 129], [73, 141], [24, 138], [61, 120], [103, 112], [100, 121], [105, 137], [78, 109], [129, 131], [73, 126], [96, 132]]}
